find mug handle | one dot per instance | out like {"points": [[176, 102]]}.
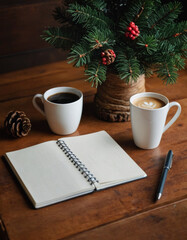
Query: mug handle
{"points": [[174, 118], [40, 96]]}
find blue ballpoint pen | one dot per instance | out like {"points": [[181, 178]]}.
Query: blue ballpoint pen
{"points": [[167, 166]]}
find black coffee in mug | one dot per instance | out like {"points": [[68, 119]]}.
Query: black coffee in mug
{"points": [[63, 98]]}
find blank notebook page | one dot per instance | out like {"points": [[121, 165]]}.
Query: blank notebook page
{"points": [[105, 159], [47, 173]]}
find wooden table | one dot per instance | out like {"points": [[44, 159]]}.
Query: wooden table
{"points": [[125, 212]]}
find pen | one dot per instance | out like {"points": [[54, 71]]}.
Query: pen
{"points": [[166, 168]]}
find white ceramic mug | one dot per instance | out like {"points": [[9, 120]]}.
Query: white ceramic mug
{"points": [[148, 125], [63, 118]]}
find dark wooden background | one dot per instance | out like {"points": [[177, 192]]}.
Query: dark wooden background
{"points": [[21, 24]]}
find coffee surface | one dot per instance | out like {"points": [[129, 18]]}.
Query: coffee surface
{"points": [[63, 98], [148, 103]]}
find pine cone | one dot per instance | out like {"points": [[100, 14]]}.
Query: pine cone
{"points": [[108, 57], [17, 124]]}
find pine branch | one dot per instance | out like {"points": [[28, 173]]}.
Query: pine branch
{"points": [[80, 54], [128, 67], [148, 44], [141, 10], [58, 38], [175, 33], [165, 14], [178, 61], [146, 69], [98, 4], [146, 9], [167, 72], [138, 10], [88, 16], [98, 38], [96, 72], [61, 15], [89, 27]]}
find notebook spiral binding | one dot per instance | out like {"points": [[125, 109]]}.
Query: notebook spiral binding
{"points": [[77, 163]]}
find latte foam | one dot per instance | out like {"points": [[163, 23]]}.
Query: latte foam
{"points": [[148, 103]]}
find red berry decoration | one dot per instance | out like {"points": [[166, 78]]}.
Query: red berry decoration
{"points": [[108, 57], [132, 24], [126, 34], [132, 31]]}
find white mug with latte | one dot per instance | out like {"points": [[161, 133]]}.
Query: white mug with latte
{"points": [[62, 108], [148, 116]]}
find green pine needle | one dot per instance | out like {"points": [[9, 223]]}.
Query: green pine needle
{"points": [[128, 68], [98, 38], [89, 27], [58, 37], [148, 44], [87, 15], [96, 72], [167, 72]]}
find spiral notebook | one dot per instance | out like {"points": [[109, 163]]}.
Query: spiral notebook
{"points": [[55, 171]]}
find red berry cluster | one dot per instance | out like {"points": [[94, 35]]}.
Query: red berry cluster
{"points": [[108, 56], [132, 31]]}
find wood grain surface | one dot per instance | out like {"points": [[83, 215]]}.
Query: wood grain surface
{"points": [[127, 211]]}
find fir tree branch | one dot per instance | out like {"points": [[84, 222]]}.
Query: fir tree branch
{"points": [[140, 12], [99, 4], [174, 31], [91, 26], [58, 38], [81, 53], [94, 40], [128, 67], [87, 15], [168, 10], [98, 38], [167, 72], [178, 61], [148, 44], [60, 14], [96, 72]]}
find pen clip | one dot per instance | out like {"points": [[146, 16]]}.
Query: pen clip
{"points": [[169, 160], [170, 154], [171, 164]]}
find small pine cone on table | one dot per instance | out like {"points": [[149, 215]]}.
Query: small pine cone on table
{"points": [[17, 124]]}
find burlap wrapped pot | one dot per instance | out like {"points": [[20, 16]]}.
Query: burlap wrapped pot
{"points": [[112, 97]]}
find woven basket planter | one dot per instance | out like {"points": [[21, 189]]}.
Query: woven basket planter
{"points": [[112, 98]]}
